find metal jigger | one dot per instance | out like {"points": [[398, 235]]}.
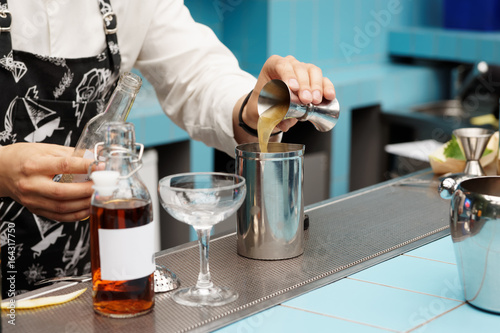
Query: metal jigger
{"points": [[473, 142], [323, 116]]}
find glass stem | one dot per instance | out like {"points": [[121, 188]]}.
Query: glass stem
{"points": [[204, 281]]}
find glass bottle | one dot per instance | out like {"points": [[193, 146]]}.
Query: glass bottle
{"points": [[122, 231], [117, 109]]}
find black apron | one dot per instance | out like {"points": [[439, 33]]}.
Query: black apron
{"points": [[49, 100]]}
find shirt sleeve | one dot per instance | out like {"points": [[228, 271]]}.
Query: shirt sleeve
{"points": [[196, 78]]}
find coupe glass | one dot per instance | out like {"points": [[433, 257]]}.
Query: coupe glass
{"points": [[202, 200]]}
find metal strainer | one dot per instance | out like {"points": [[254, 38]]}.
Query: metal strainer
{"points": [[165, 279]]}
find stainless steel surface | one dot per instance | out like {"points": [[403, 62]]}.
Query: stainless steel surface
{"points": [[473, 141], [346, 234], [323, 116], [475, 230], [165, 279], [443, 108], [449, 183], [270, 223]]}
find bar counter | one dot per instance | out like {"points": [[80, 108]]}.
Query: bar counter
{"points": [[378, 259]]}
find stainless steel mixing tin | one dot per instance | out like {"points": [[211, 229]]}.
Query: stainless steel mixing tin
{"points": [[271, 220], [475, 230]]}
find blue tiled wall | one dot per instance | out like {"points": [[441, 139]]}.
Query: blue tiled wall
{"points": [[329, 33], [349, 40]]}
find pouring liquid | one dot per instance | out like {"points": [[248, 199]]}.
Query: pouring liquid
{"points": [[267, 122]]}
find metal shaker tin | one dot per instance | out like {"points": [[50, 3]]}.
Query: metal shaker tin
{"points": [[475, 230], [270, 223]]}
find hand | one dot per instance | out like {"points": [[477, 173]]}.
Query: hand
{"points": [[305, 80], [26, 173]]}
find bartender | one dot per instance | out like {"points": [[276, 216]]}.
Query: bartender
{"points": [[59, 60]]}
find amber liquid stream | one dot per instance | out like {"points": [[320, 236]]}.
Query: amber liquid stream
{"points": [[128, 298], [267, 122]]}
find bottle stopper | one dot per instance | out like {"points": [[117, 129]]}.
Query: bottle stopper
{"points": [[105, 181]]}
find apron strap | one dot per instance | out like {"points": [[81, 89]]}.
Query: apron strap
{"points": [[5, 23], [110, 28], [109, 22]]}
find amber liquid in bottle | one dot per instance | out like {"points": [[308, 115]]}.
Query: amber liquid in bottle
{"points": [[128, 298]]}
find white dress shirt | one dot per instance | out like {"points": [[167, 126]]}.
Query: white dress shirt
{"points": [[196, 78]]}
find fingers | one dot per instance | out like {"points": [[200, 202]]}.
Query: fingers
{"points": [[50, 165], [46, 188], [328, 89], [305, 80], [60, 202], [286, 124], [27, 172]]}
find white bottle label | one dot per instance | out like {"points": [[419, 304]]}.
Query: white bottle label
{"points": [[127, 254], [80, 178]]}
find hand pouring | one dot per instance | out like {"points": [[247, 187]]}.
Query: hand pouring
{"points": [[323, 116]]}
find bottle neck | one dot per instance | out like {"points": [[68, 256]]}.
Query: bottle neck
{"points": [[123, 97], [122, 163], [119, 105]]}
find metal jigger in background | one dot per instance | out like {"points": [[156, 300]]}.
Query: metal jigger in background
{"points": [[473, 142], [323, 116]]}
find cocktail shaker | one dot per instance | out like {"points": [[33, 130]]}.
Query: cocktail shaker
{"points": [[475, 231], [270, 223]]}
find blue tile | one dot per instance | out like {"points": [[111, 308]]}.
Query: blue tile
{"points": [[377, 305], [339, 176], [160, 130], [469, 48], [207, 13], [399, 42], [303, 38], [447, 46], [284, 319], [245, 30], [327, 36], [412, 274], [405, 16], [425, 44], [348, 42], [441, 250], [140, 129], [369, 92], [370, 27], [280, 27], [347, 94], [496, 53], [465, 319], [487, 51], [431, 13], [202, 157], [389, 92]]}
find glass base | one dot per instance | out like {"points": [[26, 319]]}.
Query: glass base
{"points": [[214, 296]]}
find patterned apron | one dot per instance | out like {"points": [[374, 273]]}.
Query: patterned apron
{"points": [[49, 100]]}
